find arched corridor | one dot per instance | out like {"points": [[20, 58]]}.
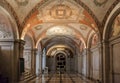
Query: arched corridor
{"points": [[59, 41]]}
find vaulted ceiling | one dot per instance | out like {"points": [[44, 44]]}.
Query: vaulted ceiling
{"points": [[49, 19]]}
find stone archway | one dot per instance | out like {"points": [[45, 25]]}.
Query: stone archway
{"points": [[111, 48], [60, 62]]}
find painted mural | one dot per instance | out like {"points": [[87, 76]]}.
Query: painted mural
{"points": [[116, 26], [82, 47], [94, 40]]}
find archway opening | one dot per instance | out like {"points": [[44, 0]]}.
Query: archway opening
{"points": [[60, 63]]}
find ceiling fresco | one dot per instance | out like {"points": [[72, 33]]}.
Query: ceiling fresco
{"points": [[67, 13], [44, 19], [116, 27], [23, 7], [99, 7]]}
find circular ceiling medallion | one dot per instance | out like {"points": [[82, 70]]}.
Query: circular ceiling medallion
{"points": [[60, 11], [100, 2], [22, 2]]}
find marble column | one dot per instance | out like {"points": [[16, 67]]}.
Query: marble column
{"points": [[33, 61], [21, 48], [15, 66], [88, 62], [84, 54], [21, 44], [105, 62], [100, 60]]}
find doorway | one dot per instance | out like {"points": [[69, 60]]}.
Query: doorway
{"points": [[60, 63]]}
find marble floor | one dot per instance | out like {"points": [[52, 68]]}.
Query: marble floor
{"points": [[60, 78]]}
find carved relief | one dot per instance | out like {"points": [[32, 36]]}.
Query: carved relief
{"points": [[100, 2], [22, 2], [27, 57], [116, 26], [28, 44], [4, 34]]}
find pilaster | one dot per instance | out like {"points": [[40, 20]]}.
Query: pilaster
{"points": [[105, 62]]}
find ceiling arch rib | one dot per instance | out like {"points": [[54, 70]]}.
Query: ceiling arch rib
{"points": [[59, 49], [64, 40], [67, 42], [79, 2], [68, 12], [75, 14]]}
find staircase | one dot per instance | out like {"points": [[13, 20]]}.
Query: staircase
{"points": [[26, 76]]}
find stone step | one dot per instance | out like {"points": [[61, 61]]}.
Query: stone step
{"points": [[27, 78]]}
